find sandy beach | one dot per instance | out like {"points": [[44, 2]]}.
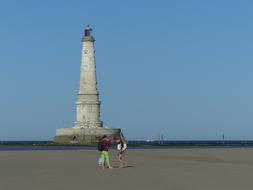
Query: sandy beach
{"points": [[175, 169]]}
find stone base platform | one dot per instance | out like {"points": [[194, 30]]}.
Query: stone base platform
{"points": [[84, 136]]}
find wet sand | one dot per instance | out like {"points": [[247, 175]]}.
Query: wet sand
{"points": [[168, 169]]}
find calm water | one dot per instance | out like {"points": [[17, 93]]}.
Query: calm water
{"points": [[47, 145]]}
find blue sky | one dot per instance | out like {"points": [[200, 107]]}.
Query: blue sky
{"points": [[179, 68]]}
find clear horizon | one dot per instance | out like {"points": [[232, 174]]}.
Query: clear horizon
{"points": [[182, 69]]}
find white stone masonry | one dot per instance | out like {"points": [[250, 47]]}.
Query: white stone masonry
{"points": [[88, 104]]}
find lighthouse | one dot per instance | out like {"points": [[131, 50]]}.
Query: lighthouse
{"points": [[88, 128], [88, 104]]}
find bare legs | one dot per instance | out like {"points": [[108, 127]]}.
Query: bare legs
{"points": [[120, 158]]}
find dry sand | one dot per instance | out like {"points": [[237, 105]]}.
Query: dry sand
{"points": [[169, 169]]}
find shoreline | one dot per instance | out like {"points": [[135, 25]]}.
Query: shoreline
{"points": [[132, 145], [20, 148], [144, 143]]}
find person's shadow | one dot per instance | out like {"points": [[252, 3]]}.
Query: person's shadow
{"points": [[123, 167]]}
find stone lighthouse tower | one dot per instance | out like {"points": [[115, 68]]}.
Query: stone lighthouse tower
{"points": [[88, 104], [88, 128]]}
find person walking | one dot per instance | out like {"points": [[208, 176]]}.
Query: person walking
{"points": [[121, 148], [105, 143], [101, 162]]}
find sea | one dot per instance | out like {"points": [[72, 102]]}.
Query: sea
{"points": [[132, 144]]}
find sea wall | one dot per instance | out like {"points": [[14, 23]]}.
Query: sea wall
{"points": [[84, 136]]}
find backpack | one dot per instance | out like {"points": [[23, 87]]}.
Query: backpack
{"points": [[100, 146]]}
